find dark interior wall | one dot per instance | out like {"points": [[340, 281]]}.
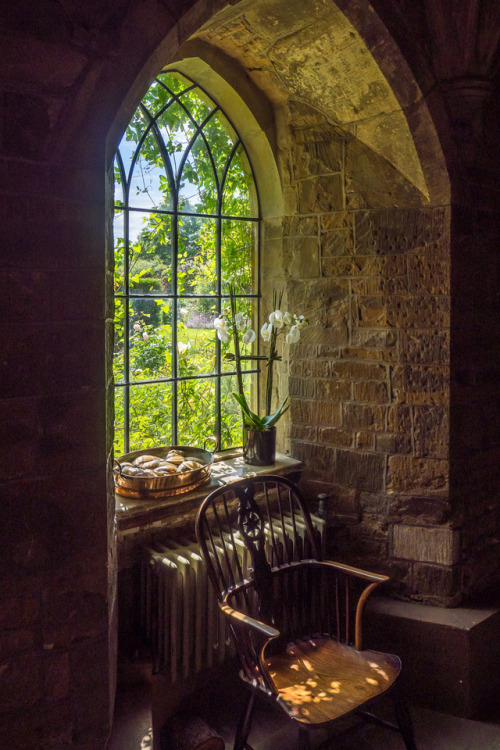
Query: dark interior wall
{"points": [[66, 69]]}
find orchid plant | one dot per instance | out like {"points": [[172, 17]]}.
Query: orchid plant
{"points": [[233, 324]]}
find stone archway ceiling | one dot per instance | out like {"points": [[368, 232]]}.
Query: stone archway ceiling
{"points": [[307, 51]]}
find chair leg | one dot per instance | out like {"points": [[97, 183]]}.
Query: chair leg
{"points": [[244, 723], [303, 739], [404, 721]]}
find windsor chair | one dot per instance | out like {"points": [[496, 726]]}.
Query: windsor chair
{"points": [[296, 620]]}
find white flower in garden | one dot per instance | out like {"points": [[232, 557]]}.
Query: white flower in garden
{"points": [[276, 319], [293, 335], [248, 337], [266, 331], [182, 347], [145, 336], [220, 323], [137, 326], [287, 318], [223, 334]]}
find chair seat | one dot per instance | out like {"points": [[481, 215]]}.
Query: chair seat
{"points": [[319, 679]]}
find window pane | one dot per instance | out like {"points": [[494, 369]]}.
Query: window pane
{"points": [[149, 183], [176, 130], [157, 97], [119, 440], [196, 412], [231, 423], [198, 104], [237, 255], [195, 338], [150, 332], [197, 187], [196, 272], [150, 415], [119, 234], [150, 256], [119, 345], [175, 81], [222, 138], [239, 198]]}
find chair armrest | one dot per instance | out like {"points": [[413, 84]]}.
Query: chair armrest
{"points": [[242, 620], [356, 572], [372, 581]]}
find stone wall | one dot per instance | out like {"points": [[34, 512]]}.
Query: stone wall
{"points": [[369, 265]]}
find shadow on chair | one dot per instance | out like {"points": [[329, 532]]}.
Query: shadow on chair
{"points": [[296, 619]]}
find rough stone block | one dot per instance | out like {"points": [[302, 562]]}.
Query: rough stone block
{"points": [[301, 257], [421, 385], [372, 312], [321, 194], [391, 442], [424, 510], [317, 157], [424, 347], [431, 431], [322, 457], [335, 437], [314, 412], [365, 440], [301, 387], [437, 580], [316, 368], [376, 393], [431, 544], [365, 471], [308, 433], [300, 226], [407, 473], [333, 390], [424, 311], [428, 275], [359, 370], [360, 417], [335, 243]]}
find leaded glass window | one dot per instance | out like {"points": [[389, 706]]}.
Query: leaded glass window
{"points": [[186, 227]]}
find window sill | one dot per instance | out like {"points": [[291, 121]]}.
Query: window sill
{"points": [[133, 514]]}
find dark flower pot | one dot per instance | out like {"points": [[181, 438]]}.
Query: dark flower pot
{"points": [[259, 448]]}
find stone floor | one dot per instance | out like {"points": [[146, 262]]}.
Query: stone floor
{"points": [[434, 731]]}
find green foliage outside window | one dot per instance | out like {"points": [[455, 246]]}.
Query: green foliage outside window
{"points": [[186, 228]]}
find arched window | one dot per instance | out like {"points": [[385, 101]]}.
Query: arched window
{"points": [[186, 227]]}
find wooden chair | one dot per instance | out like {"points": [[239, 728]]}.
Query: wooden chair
{"points": [[295, 619]]}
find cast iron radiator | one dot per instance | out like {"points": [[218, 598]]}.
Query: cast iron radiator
{"points": [[180, 617]]}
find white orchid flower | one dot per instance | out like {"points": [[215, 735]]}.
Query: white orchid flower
{"points": [[223, 334], [266, 331], [241, 321], [300, 320], [287, 318], [293, 335], [276, 319], [248, 337]]}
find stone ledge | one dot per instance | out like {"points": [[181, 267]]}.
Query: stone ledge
{"points": [[133, 515], [451, 657]]}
